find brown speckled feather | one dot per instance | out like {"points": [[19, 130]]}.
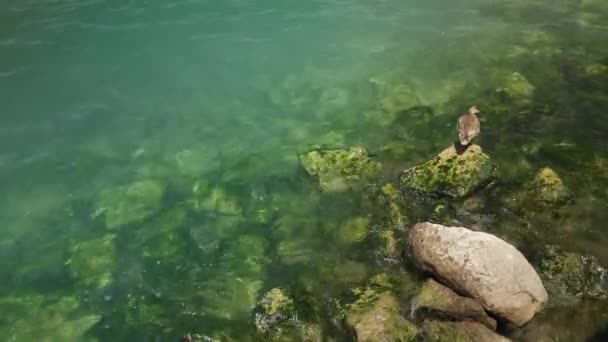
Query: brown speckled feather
{"points": [[468, 128]]}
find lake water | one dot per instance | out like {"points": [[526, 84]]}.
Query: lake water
{"points": [[203, 106]]}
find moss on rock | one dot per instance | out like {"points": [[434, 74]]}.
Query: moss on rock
{"points": [[443, 331], [451, 174], [375, 315], [131, 203], [92, 262], [36, 317], [340, 170], [516, 87], [571, 276], [352, 231], [276, 319], [548, 188], [438, 301]]}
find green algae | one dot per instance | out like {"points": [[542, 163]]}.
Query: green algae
{"points": [[92, 263], [35, 317], [451, 174], [340, 170], [128, 204], [375, 315]]}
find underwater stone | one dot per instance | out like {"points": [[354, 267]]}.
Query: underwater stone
{"points": [[276, 319], [573, 276], [517, 87], [352, 231], [549, 189], [481, 266], [196, 162], [443, 331], [340, 170], [390, 245], [129, 204], [436, 300], [451, 174], [375, 316], [36, 317], [274, 309], [91, 263], [399, 98]]}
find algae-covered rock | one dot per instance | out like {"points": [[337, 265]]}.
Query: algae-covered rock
{"points": [[35, 317], [573, 276], [451, 174], [213, 200], [440, 331], [196, 161], [275, 308], [436, 300], [276, 319], [131, 203], [548, 188], [390, 245], [91, 263], [340, 170], [375, 315], [398, 98], [516, 87], [352, 231]]}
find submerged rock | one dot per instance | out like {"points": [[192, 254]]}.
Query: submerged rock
{"points": [[574, 276], [516, 87], [275, 308], [548, 188], [352, 231], [451, 174], [340, 170], [436, 300], [131, 203], [481, 266], [441, 331], [36, 317], [276, 319], [375, 315], [91, 263]]}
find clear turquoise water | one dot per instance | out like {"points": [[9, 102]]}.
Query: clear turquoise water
{"points": [[98, 94]]}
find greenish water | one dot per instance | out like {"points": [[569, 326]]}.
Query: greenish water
{"points": [[204, 105]]}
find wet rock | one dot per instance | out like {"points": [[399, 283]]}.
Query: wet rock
{"points": [[129, 204], [436, 300], [548, 188], [481, 266], [440, 331], [340, 170], [573, 276], [375, 316], [451, 174]]}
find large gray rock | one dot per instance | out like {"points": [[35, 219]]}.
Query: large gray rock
{"points": [[481, 266]]}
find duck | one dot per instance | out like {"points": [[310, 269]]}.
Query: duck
{"points": [[468, 126]]}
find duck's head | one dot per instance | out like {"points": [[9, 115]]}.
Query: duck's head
{"points": [[474, 110]]}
